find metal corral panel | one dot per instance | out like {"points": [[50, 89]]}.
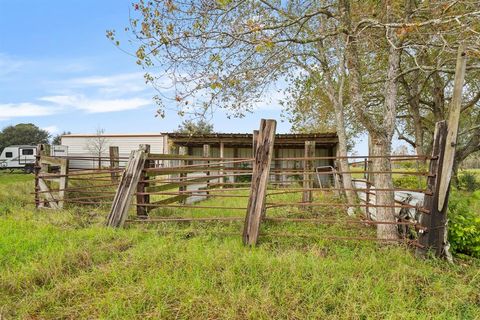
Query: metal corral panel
{"points": [[78, 145]]}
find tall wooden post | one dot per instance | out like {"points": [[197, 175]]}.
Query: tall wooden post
{"points": [[63, 182], [453, 121], [260, 175], [308, 172], [433, 238], [142, 211], [126, 188], [114, 162], [37, 172]]}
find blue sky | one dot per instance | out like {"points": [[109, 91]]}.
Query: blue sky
{"points": [[59, 71]]}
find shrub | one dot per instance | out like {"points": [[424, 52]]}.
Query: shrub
{"points": [[464, 224], [408, 182], [468, 181]]}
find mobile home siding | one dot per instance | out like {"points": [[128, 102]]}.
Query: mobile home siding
{"points": [[78, 146]]}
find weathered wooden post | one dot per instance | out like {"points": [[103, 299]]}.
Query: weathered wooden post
{"points": [[182, 151], [206, 154], [142, 211], [37, 172], [63, 182], [432, 238], [308, 172], [222, 171], [260, 176], [235, 164], [453, 122], [435, 237], [126, 188], [114, 162]]}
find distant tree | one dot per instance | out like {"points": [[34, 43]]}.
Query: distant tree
{"points": [[23, 133], [98, 145], [401, 150], [57, 140], [195, 127]]}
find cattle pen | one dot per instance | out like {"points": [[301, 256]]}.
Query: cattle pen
{"points": [[264, 187]]}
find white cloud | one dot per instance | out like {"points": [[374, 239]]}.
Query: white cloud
{"points": [[25, 109], [51, 129], [95, 105], [9, 65], [109, 85]]}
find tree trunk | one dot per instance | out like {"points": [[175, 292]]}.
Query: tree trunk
{"points": [[381, 146], [342, 152]]}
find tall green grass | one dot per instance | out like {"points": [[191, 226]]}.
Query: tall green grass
{"points": [[65, 264]]}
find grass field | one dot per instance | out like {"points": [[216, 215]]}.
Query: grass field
{"points": [[65, 264]]}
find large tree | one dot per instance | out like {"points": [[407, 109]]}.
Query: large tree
{"points": [[192, 127], [226, 54], [23, 134]]}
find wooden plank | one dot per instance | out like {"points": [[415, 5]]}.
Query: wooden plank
{"points": [[172, 199], [261, 173], [308, 171], [126, 189], [43, 187], [114, 162], [435, 221], [453, 121], [52, 160], [142, 211], [175, 185], [183, 151]]}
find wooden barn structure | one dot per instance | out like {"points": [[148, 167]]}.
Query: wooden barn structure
{"points": [[240, 145]]}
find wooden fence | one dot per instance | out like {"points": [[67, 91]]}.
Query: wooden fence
{"points": [[160, 187]]}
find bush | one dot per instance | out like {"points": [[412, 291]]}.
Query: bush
{"points": [[464, 224], [408, 182], [468, 181]]}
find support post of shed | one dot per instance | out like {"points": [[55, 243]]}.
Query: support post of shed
{"points": [[183, 151], [222, 172], [235, 165], [308, 172], [206, 154]]}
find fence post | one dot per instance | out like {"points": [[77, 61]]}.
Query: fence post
{"points": [[63, 182], [114, 162], [222, 171], [183, 151], [126, 188], [307, 172], [433, 238], [260, 175], [37, 171], [206, 154], [142, 211]]}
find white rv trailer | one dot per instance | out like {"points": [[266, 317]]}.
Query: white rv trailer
{"points": [[18, 157]]}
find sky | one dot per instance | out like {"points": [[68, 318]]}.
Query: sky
{"points": [[59, 71]]}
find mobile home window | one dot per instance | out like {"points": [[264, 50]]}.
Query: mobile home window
{"points": [[27, 152], [8, 155]]}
